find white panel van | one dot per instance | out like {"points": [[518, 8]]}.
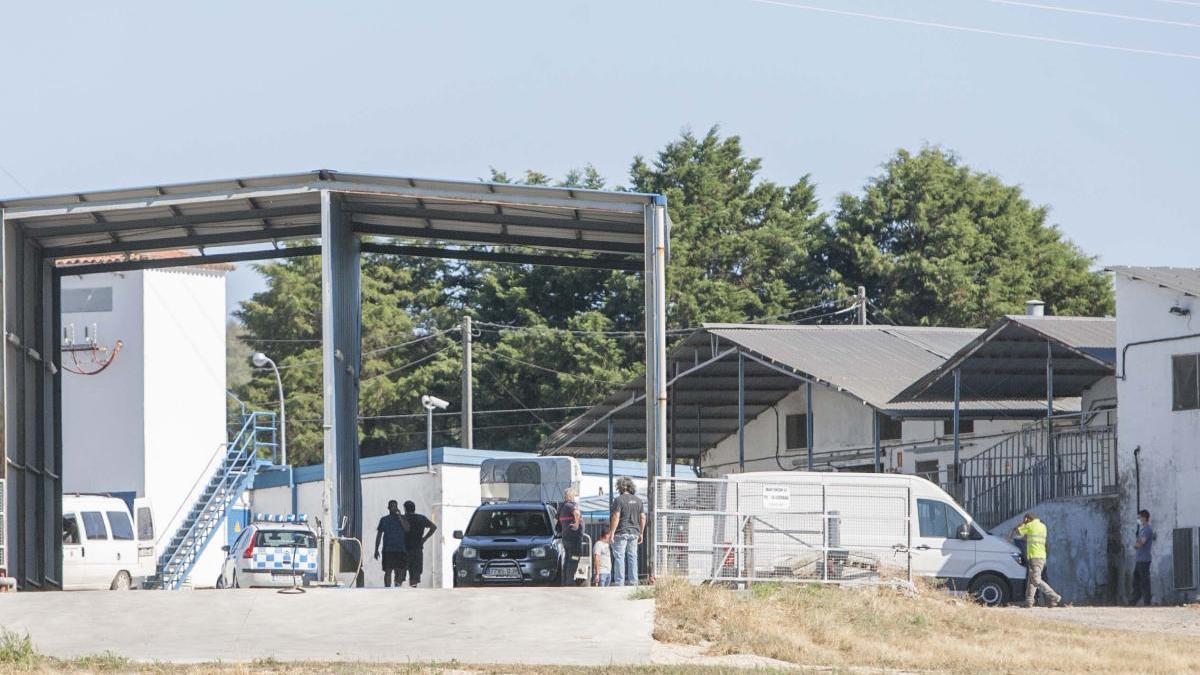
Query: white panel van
{"points": [[104, 545], [945, 542]]}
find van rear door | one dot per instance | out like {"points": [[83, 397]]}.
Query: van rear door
{"points": [[74, 574], [143, 519]]}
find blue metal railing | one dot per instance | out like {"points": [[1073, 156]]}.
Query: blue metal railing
{"points": [[253, 446]]}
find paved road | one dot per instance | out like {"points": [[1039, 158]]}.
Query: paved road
{"points": [[534, 625], [1171, 620]]}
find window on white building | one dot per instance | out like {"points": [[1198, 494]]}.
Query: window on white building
{"points": [[964, 427], [797, 431], [889, 428], [1185, 376]]}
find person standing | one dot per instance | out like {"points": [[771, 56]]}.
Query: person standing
{"points": [[391, 532], [570, 526], [1143, 547], [602, 561], [420, 529], [1033, 531], [625, 529]]}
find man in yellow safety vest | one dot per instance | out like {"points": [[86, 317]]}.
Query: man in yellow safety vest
{"points": [[1033, 531]]}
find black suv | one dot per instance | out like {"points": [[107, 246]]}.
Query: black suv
{"points": [[508, 543]]}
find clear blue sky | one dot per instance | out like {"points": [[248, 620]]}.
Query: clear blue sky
{"points": [[99, 95]]}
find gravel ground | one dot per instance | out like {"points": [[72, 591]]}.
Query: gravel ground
{"points": [[1169, 620]]}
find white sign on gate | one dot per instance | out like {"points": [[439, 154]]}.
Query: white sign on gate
{"points": [[777, 497]]}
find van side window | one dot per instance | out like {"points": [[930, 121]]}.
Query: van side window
{"points": [[118, 522], [938, 519], [931, 517], [145, 523], [70, 529], [93, 526]]}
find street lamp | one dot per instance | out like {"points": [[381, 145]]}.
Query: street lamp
{"points": [[261, 360], [430, 402]]}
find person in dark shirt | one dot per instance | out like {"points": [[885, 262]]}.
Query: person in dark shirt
{"points": [[393, 530], [626, 528], [420, 529], [1143, 547]]}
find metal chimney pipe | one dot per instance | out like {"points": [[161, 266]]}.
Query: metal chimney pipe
{"points": [[1035, 308]]}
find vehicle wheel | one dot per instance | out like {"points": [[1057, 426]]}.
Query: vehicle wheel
{"points": [[989, 590], [122, 582]]}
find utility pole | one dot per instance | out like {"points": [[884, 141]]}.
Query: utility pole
{"points": [[468, 402], [862, 305]]}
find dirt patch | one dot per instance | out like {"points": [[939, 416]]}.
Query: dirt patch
{"points": [[926, 630]]}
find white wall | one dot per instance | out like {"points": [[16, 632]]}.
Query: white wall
{"points": [[153, 420], [103, 414], [1169, 458], [185, 392], [842, 422]]}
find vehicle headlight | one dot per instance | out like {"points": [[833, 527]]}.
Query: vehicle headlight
{"points": [[1016, 557], [469, 553], [538, 552]]}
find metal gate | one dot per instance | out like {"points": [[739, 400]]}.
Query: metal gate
{"points": [[736, 530]]}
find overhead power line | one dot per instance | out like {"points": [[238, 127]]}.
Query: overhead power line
{"points": [[14, 180], [981, 31], [1092, 12], [559, 372]]}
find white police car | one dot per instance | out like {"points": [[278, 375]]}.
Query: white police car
{"points": [[273, 552]]}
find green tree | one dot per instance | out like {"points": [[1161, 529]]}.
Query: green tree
{"points": [[937, 243], [741, 247]]}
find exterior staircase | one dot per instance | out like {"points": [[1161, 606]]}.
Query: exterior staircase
{"points": [[252, 447], [1039, 463]]}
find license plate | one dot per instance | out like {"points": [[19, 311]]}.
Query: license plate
{"points": [[502, 573]]}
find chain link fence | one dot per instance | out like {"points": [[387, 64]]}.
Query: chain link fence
{"points": [[739, 531]]}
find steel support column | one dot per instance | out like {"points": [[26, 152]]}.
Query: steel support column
{"points": [[610, 459], [875, 433], [741, 422], [655, 281], [341, 316], [808, 422], [1050, 453], [32, 397], [955, 425]]}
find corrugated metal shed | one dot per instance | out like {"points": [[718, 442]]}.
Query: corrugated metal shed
{"points": [[288, 207], [1009, 360], [1182, 279], [870, 363]]}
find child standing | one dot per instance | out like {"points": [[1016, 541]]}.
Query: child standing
{"points": [[602, 560]]}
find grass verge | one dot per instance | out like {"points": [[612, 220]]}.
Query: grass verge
{"points": [[887, 628]]}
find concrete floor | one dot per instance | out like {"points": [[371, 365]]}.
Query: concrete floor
{"points": [[520, 625]]}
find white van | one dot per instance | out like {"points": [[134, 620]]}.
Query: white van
{"points": [[104, 546], [868, 512]]}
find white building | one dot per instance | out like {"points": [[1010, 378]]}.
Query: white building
{"points": [[1159, 389], [145, 419], [447, 496]]}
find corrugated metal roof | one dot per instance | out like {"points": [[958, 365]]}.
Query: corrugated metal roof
{"points": [[1008, 360], [1182, 279], [288, 207], [871, 363]]}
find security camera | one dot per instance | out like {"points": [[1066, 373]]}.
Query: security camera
{"points": [[431, 402]]}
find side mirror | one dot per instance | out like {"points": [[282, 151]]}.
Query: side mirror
{"points": [[225, 549], [458, 534], [964, 531]]}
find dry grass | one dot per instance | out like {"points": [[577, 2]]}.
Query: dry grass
{"points": [[886, 628]]}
